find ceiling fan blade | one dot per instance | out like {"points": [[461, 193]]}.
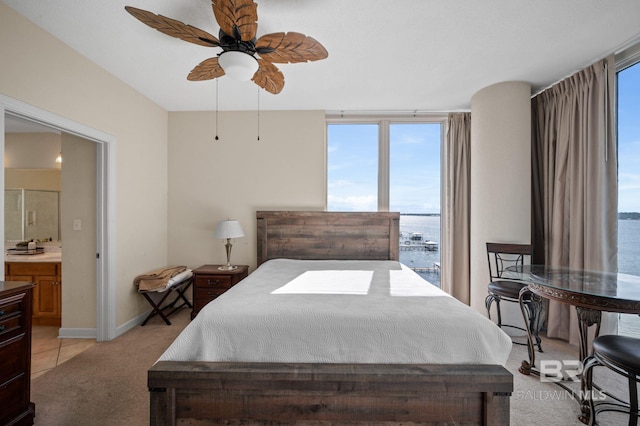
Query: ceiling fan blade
{"points": [[174, 28], [269, 77], [237, 18], [206, 70], [290, 47]]}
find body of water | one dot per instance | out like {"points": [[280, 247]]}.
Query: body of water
{"points": [[629, 247], [429, 226], [422, 260]]}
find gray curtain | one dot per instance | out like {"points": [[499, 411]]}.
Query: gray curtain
{"points": [[574, 181], [456, 223]]}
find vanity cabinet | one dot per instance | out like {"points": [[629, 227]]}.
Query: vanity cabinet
{"points": [[47, 293], [16, 407]]}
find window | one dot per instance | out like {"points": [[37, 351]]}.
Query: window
{"points": [[628, 129], [628, 170], [391, 165], [352, 170]]}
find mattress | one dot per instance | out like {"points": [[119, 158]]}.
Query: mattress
{"points": [[339, 312]]}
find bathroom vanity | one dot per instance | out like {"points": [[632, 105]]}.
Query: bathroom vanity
{"points": [[45, 272]]}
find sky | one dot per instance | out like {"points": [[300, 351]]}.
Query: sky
{"points": [[414, 174], [629, 139], [415, 160]]}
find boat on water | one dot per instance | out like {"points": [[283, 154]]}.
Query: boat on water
{"points": [[416, 241]]}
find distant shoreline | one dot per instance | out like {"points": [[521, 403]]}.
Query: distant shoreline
{"points": [[621, 215], [628, 216]]}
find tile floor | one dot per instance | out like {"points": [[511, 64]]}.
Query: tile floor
{"points": [[48, 351]]}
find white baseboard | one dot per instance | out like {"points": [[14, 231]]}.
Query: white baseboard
{"points": [[90, 333], [131, 323]]}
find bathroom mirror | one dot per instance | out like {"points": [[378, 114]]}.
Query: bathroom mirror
{"points": [[31, 215], [32, 181]]}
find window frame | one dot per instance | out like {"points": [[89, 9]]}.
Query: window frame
{"points": [[627, 58], [624, 59], [384, 123]]}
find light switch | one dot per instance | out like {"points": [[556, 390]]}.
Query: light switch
{"points": [[77, 224]]}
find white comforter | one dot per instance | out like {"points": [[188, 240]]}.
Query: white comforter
{"points": [[383, 313]]}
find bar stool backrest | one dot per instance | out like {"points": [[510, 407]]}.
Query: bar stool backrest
{"points": [[503, 255]]}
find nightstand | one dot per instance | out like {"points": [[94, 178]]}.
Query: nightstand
{"points": [[210, 282]]}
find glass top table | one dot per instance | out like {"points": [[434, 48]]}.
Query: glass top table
{"points": [[591, 292], [601, 291]]}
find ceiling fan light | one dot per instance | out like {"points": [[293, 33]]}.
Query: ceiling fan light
{"points": [[238, 65]]}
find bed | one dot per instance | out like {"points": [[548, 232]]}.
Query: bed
{"points": [[332, 329]]}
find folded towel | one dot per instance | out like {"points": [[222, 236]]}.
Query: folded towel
{"points": [[178, 279], [157, 279]]}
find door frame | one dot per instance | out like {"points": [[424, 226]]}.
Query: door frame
{"points": [[105, 203]]}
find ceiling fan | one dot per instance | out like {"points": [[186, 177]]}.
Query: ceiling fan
{"points": [[243, 56]]}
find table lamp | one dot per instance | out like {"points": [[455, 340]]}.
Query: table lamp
{"points": [[228, 229]]}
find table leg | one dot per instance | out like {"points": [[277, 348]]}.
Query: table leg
{"points": [[532, 308], [586, 319]]}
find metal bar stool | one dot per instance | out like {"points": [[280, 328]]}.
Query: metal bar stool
{"points": [[620, 354], [504, 288]]}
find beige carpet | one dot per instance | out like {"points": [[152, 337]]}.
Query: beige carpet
{"points": [[543, 403], [106, 384]]}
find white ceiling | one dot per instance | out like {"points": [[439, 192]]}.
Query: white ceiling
{"points": [[403, 55]]}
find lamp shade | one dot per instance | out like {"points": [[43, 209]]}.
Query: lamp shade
{"points": [[238, 65], [228, 229]]}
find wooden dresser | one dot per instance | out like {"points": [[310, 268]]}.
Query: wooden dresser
{"points": [[16, 407], [210, 282]]}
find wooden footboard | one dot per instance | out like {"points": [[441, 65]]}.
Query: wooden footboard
{"points": [[198, 393]]}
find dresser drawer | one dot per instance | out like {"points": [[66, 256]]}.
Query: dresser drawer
{"points": [[207, 294], [213, 282], [12, 321], [9, 327], [12, 362], [11, 306], [14, 399]]}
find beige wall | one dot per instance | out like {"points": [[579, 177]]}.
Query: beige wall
{"points": [[39, 179], [238, 175], [29, 161], [500, 177], [40, 70], [31, 150], [78, 202]]}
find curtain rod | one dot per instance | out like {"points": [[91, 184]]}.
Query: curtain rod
{"points": [[626, 54], [387, 114]]}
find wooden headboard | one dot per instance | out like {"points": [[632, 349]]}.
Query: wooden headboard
{"points": [[319, 235]]}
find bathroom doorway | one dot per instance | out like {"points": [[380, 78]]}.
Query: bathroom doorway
{"points": [[103, 161]]}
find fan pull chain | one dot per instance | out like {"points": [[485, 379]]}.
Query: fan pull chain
{"points": [[216, 110], [258, 113]]}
